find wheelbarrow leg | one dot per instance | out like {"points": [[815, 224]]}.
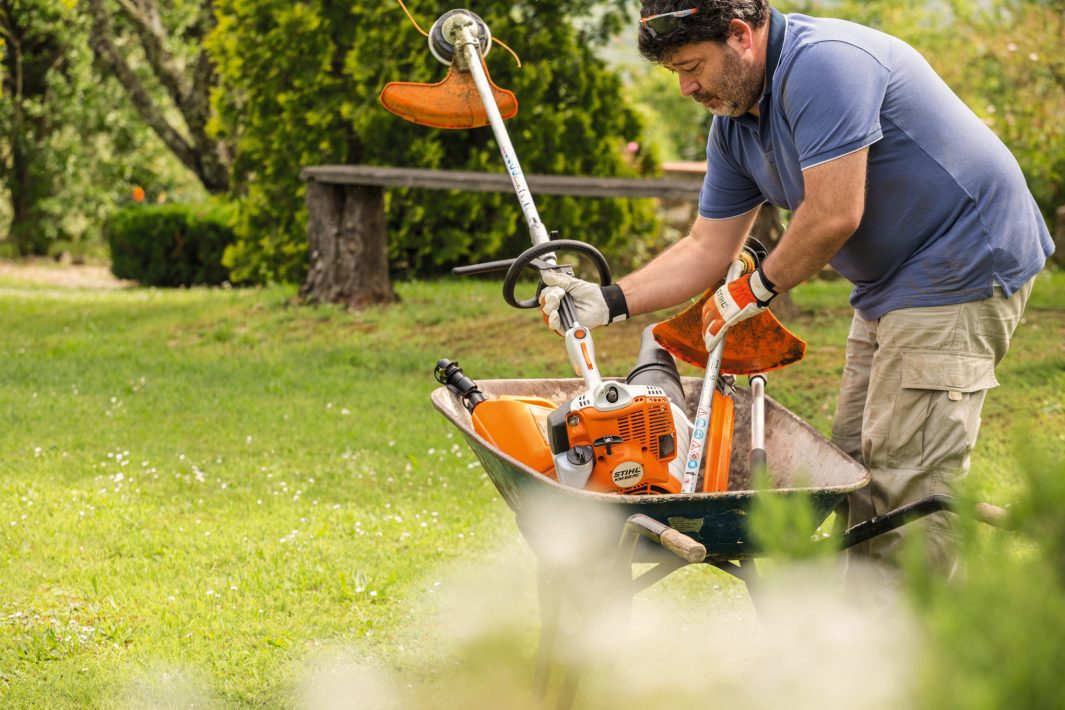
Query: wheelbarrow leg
{"points": [[559, 587], [550, 597], [746, 571], [603, 583], [568, 692]]}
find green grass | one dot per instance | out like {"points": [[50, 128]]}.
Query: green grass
{"points": [[217, 484]]}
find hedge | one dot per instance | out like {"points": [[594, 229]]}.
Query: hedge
{"points": [[171, 245]]}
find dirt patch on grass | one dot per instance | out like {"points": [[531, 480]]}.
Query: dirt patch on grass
{"points": [[51, 273]]}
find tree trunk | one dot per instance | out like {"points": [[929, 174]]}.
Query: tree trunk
{"points": [[348, 246], [188, 89]]}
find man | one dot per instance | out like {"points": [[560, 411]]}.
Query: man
{"points": [[893, 181]]}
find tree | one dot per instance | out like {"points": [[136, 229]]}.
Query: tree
{"points": [[171, 75], [70, 149], [34, 61], [1014, 78], [299, 86]]}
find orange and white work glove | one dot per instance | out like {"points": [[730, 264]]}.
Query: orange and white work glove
{"points": [[596, 305], [739, 300]]}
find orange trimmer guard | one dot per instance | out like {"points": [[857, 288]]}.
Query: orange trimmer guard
{"points": [[451, 103], [756, 345]]}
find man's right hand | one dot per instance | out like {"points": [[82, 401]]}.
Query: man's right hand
{"points": [[596, 305]]}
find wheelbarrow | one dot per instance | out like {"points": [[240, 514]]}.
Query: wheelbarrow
{"points": [[578, 535]]}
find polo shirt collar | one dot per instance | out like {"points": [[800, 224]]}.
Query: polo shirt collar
{"points": [[777, 25]]}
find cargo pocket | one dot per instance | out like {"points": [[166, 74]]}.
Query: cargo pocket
{"points": [[937, 413]]}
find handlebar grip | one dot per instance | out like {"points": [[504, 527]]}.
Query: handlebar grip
{"points": [[752, 255], [531, 254], [484, 268]]}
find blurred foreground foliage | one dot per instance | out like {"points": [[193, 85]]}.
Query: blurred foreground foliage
{"points": [[997, 636], [994, 633], [299, 86]]}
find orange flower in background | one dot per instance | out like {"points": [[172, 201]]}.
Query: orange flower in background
{"points": [[138, 194]]}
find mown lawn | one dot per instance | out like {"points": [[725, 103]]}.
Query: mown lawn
{"points": [[202, 489]]}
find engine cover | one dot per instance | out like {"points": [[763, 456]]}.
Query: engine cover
{"points": [[630, 433]]}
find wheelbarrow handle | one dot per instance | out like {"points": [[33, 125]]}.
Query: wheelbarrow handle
{"points": [[935, 503], [673, 540], [992, 515]]}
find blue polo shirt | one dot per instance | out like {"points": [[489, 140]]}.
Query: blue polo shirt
{"points": [[947, 210]]}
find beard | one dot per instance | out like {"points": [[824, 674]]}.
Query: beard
{"points": [[739, 89]]}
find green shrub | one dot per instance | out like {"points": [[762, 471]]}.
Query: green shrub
{"points": [[171, 245]]}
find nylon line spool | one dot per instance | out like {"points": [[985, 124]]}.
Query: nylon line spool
{"points": [[443, 32]]}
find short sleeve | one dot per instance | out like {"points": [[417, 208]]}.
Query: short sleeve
{"points": [[831, 98], [728, 190]]}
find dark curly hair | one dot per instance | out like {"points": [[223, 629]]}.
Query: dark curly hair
{"points": [[710, 24]]}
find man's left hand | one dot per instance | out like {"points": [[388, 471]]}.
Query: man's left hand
{"points": [[739, 300]]}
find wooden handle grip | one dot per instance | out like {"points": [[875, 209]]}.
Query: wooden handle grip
{"points": [[682, 546], [673, 540], [993, 515]]}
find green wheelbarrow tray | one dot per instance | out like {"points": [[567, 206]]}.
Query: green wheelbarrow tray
{"points": [[802, 465]]}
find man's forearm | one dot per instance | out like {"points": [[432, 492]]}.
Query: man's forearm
{"points": [[689, 267], [832, 210], [808, 244], [683, 271]]}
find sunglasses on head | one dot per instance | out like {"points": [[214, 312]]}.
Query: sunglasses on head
{"points": [[665, 23]]}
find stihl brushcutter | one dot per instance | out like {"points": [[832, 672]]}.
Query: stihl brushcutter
{"points": [[615, 436]]}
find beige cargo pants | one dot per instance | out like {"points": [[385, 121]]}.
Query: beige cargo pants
{"points": [[909, 409]]}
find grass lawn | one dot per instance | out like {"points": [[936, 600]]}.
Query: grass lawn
{"points": [[201, 489]]}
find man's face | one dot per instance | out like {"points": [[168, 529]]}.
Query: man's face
{"points": [[718, 77]]}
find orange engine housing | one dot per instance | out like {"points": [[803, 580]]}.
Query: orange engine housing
{"points": [[517, 426], [633, 442], [633, 445]]}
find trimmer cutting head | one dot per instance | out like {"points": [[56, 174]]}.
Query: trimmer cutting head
{"points": [[757, 345], [442, 34], [454, 102]]}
